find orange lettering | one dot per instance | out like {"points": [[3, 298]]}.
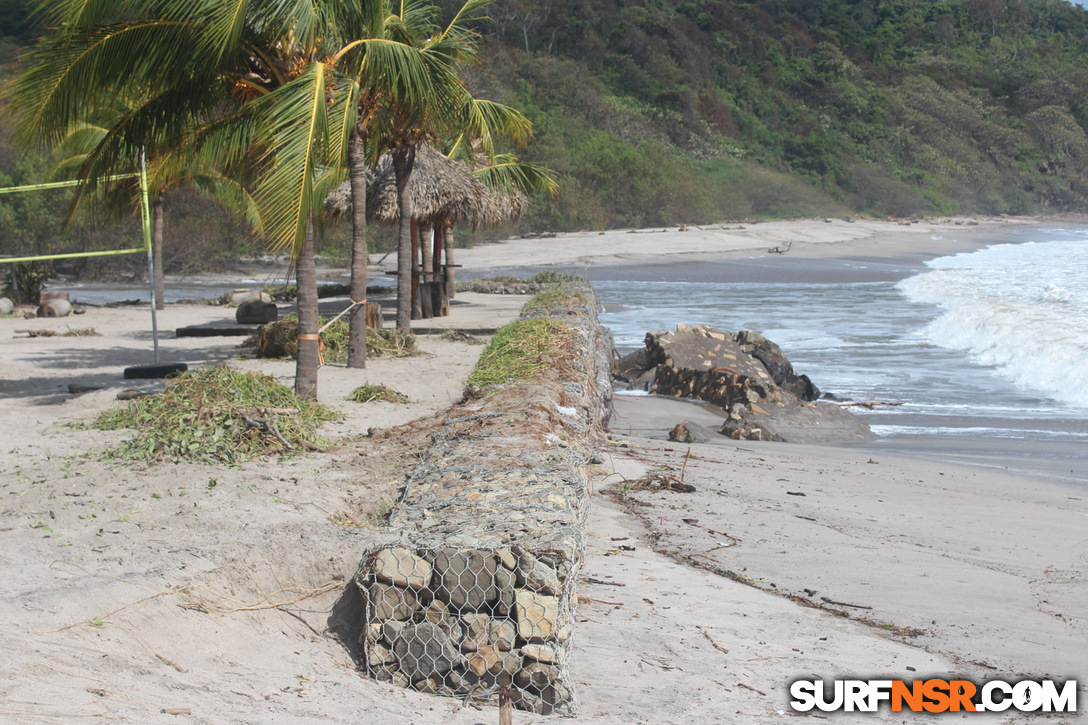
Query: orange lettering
{"points": [[912, 696], [961, 692], [935, 691]]}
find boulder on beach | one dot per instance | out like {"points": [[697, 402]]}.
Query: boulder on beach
{"points": [[6, 306], [748, 377], [54, 308], [256, 312], [240, 296]]}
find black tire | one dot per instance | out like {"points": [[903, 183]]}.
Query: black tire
{"points": [[154, 371]]}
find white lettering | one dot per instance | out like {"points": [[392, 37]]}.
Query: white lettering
{"points": [[1027, 696], [988, 696], [804, 695], [1064, 701]]}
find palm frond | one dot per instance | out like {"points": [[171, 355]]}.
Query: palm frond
{"points": [[226, 25], [297, 129], [487, 122], [469, 11], [65, 78], [342, 117], [506, 171]]}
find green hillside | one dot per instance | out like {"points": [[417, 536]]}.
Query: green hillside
{"points": [[665, 112]]}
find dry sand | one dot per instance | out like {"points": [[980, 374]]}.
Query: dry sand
{"points": [[820, 238], [129, 590]]}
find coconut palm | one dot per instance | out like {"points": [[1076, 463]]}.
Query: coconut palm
{"points": [[462, 117], [372, 97], [163, 174], [254, 89]]}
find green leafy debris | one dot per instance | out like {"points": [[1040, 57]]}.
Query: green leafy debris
{"points": [[280, 340], [559, 296], [368, 393], [217, 415]]}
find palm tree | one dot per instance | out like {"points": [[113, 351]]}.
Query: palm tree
{"points": [[252, 89], [370, 93], [396, 120], [163, 174], [462, 117]]}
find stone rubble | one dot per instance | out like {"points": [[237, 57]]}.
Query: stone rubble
{"points": [[748, 377]]}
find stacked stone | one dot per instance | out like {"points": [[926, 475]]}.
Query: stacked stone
{"points": [[748, 377], [479, 592], [501, 286], [720, 387]]}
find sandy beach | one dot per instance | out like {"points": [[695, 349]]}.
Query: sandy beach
{"points": [[134, 591], [810, 238]]}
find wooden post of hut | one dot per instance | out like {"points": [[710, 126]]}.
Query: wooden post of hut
{"points": [[441, 297], [426, 287], [451, 283], [428, 252], [417, 309]]}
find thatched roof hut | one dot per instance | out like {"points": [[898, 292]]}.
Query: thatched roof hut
{"points": [[439, 187]]}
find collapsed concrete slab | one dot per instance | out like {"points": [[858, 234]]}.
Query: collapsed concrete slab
{"points": [[747, 376]]}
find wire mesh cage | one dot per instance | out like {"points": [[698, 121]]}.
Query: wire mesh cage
{"points": [[466, 622]]}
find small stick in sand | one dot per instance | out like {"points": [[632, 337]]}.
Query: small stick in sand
{"points": [[844, 604], [506, 708], [684, 468], [749, 687], [587, 600], [710, 639]]}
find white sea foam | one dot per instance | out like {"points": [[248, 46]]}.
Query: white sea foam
{"points": [[980, 431], [1021, 308]]}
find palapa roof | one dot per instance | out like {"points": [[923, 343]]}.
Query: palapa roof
{"points": [[439, 188]]}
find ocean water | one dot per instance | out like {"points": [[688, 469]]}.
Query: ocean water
{"points": [[175, 290], [984, 346]]}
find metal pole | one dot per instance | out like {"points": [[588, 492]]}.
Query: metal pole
{"points": [[145, 212]]}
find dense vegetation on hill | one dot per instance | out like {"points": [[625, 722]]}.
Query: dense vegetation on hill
{"points": [[695, 111], [668, 111]]}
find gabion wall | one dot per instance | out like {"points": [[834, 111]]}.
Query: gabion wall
{"points": [[468, 621], [479, 592]]}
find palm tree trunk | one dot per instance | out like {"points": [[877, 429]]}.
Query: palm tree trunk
{"points": [[360, 252], [403, 160], [308, 351], [156, 246]]}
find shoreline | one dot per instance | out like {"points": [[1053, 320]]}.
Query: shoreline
{"points": [[809, 238], [986, 566]]}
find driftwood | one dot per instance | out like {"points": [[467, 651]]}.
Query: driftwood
{"points": [[749, 687], [843, 604], [591, 600], [780, 250]]}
